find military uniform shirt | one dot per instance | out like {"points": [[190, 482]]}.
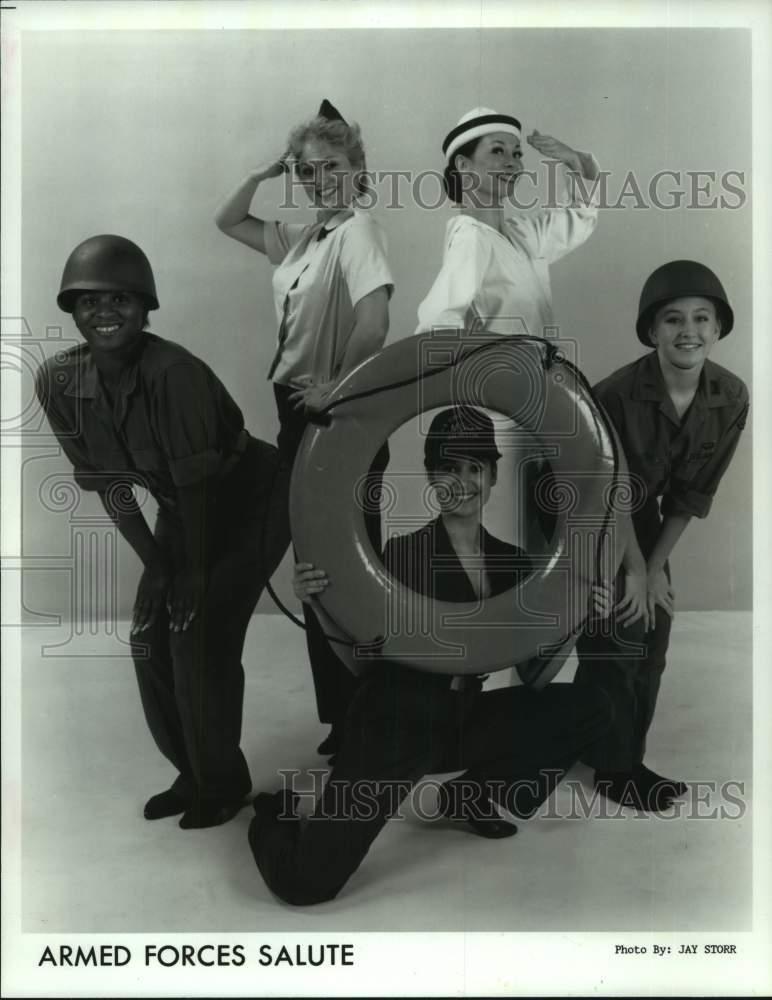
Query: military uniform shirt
{"points": [[682, 460], [171, 424]]}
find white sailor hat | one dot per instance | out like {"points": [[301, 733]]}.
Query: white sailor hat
{"points": [[475, 123]]}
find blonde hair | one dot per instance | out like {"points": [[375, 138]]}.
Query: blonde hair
{"points": [[340, 134]]}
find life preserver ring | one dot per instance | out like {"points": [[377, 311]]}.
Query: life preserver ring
{"points": [[527, 380]]}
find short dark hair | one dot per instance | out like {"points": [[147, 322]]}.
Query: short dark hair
{"points": [[451, 178]]}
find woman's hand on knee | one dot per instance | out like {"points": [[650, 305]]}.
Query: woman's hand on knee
{"points": [[308, 581], [634, 604], [659, 592], [151, 596], [185, 598]]}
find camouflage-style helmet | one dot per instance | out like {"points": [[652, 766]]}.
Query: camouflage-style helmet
{"points": [[103, 264], [677, 280]]}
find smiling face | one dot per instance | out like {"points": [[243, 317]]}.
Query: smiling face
{"points": [[463, 486], [684, 332], [326, 174], [493, 169], [111, 322]]}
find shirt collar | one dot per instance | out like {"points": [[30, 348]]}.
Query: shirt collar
{"points": [[336, 220], [444, 546], [85, 384], [650, 386]]}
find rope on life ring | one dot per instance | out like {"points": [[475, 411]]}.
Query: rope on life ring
{"points": [[370, 615]]}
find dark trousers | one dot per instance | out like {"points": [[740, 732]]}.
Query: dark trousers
{"points": [[514, 743], [627, 665], [334, 684], [192, 683]]}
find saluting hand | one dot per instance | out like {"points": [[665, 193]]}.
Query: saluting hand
{"points": [[151, 596], [273, 168], [659, 592], [583, 163], [553, 148], [308, 581]]}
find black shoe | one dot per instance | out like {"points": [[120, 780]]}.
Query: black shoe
{"points": [[167, 803], [210, 812], [629, 789], [672, 786], [492, 828], [270, 806], [254, 834], [479, 816], [331, 743], [269, 810]]}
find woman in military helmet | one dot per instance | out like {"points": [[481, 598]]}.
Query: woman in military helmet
{"points": [[129, 407], [679, 417]]}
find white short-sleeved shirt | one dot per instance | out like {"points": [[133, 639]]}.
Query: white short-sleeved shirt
{"points": [[501, 283], [317, 284]]}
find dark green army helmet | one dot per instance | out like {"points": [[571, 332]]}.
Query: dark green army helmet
{"points": [[677, 280], [103, 264]]}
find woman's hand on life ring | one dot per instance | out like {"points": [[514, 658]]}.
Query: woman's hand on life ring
{"points": [[659, 592], [308, 581], [185, 598], [634, 604], [602, 600], [311, 395]]}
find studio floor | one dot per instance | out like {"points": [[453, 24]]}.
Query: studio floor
{"points": [[91, 863]]}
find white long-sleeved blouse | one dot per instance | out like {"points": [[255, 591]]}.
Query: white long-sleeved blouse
{"points": [[501, 283]]}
